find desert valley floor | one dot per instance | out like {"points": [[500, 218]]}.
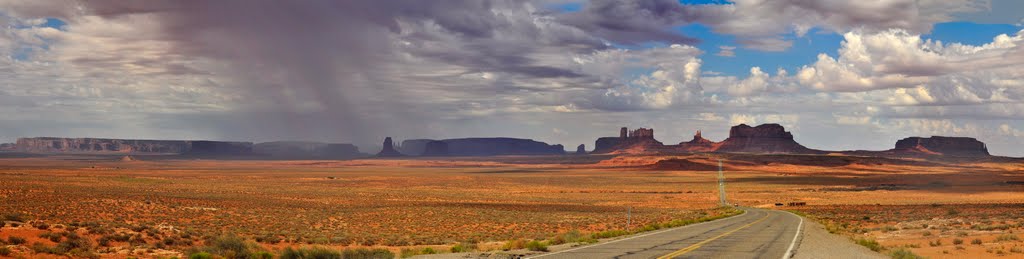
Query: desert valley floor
{"points": [[155, 206]]}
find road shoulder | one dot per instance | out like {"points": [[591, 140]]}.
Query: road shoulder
{"points": [[815, 242]]}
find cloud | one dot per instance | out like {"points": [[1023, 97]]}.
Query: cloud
{"points": [[726, 51]]}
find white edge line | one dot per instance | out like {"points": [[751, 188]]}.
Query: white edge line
{"points": [[632, 237], [789, 252]]}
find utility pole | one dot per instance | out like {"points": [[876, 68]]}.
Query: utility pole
{"points": [[721, 185]]}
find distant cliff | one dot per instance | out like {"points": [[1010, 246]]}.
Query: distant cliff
{"points": [[479, 147], [303, 149], [99, 145], [938, 145]]}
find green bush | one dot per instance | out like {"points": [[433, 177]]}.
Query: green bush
{"points": [[363, 253], [428, 251], [904, 254], [870, 244], [230, 247], [310, 253], [514, 244], [458, 248], [201, 255], [537, 246]]}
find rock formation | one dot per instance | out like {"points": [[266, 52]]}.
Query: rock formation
{"points": [[765, 138], [7, 146], [435, 148], [218, 148], [97, 145], [389, 149], [938, 145], [500, 146], [639, 139], [581, 149], [697, 144], [414, 147], [307, 150]]}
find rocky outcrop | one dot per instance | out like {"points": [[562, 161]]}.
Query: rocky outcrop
{"points": [[765, 138], [388, 149], [91, 145], [307, 150], [500, 146], [581, 149], [414, 147], [435, 148], [7, 146], [218, 148], [697, 144], [938, 145], [98, 145], [638, 140], [479, 147]]}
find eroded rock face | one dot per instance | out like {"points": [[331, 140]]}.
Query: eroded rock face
{"points": [[435, 148], [389, 149], [85, 145], [304, 149], [414, 147], [97, 145], [765, 138], [581, 149], [637, 140], [954, 146], [697, 144], [500, 146]]}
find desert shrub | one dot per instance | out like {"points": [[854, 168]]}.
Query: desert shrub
{"points": [[938, 242], [4, 251], [42, 248], [15, 240], [514, 244], [1007, 237], [310, 253], [961, 233], [904, 254], [567, 237], [201, 255], [976, 241], [363, 253], [926, 233], [120, 237], [537, 246], [19, 217], [54, 237], [408, 252], [870, 244], [231, 247], [41, 225], [1016, 249], [609, 233], [103, 241], [957, 241], [458, 248]]}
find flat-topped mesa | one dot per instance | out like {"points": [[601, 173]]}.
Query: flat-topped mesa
{"points": [[388, 149], [7, 146], [938, 145], [306, 149], [99, 145], [479, 147], [765, 138]]}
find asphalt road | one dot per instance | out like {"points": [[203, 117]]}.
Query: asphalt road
{"points": [[757, 233]]}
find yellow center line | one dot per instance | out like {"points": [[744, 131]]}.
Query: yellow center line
{"points": [[697, 245]]}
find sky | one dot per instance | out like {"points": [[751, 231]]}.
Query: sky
{"points": [[840, 75]]}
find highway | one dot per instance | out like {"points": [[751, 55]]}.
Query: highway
{"points": [[757, 233]]}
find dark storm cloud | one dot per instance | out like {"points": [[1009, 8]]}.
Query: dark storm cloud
{"points": [[633, 22]]}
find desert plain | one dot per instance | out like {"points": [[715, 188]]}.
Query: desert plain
{"points": [[106, 206]]}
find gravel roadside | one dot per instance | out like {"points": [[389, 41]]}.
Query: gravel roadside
{"points": [[817, 243]]}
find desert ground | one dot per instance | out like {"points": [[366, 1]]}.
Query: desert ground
{"points": [[105, 206]]}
